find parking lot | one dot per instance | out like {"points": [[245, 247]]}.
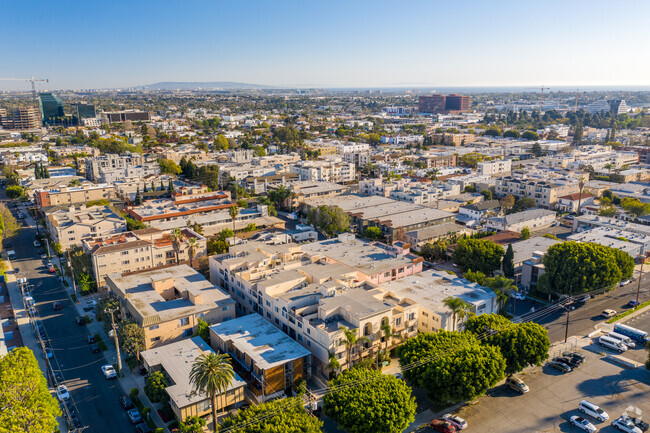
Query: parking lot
{"points": [[554, 397]]}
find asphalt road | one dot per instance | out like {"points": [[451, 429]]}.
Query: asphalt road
{"points": [[96, 399]]}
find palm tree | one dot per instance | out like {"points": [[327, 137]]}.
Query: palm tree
{"points": [[211, 374], [350, 341], [233, 211], [465, 311], [334, 364], [502, 287], [361, 340], [191, 246], [177, 238], [455, 305]]}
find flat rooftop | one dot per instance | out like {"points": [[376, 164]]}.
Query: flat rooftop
{"points": [[436, 231], [524, 249], [265, 344], [177, 359]]}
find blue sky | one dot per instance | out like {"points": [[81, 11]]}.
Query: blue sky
{"points": [[328, 43]]}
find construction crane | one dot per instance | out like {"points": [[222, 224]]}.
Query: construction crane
{"points": [[31, 80], [578, 92], [541, 98]]}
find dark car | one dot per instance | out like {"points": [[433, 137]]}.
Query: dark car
{"points": [[7, 244], [57, 306], [142, 428], [442, 426], [126, 402], [644, 426], [91, 339], [73, 421], [80, 320], [95, 348], [571, 362], [560, 366], [575, 355]]}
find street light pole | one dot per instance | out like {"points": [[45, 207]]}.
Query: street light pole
{"points": [[117, 346], [568, 313], [74, 285], [638, 286]]}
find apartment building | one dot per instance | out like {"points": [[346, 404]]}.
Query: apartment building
{"points": [[140, 250], [545, 193], [329, 171], [478, 211], [585, 222], [72, 225], [66, 195], [419, 238], [167, 303], [571, 202], [111, 168], [20, 118], [455, 139], [266, 357], [176, 360], [188, 201], [533, 219], [496, 167], [635, 244], [526, 251]]}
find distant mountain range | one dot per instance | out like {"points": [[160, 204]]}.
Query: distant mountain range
{"points": [[183, 85]]}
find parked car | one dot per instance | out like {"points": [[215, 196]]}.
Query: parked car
{"points": [[126, 402], [109, 372], [91, 303], [442, 426], [633, 303], [94, 348], [644, 426], [142, 428], [57, 306], [62, 393], [624, 282], [134, 416], [37, 243], [455, 420], [80, 320], [47, 353], [519, 296], [626, 425], [91, 339], [583, 424], [593, 410], [560, 366], [583, 299], [608, 313], [571, 362], [575, 355], [50, 268], [517, 384]]}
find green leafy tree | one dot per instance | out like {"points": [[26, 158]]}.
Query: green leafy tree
{"points": [[507, 264], [373, 233], [221, 143], [434, 251], [330, 220], [233, 212], [170, 188], [578, 267], [203, 330], [169, 166], [459, 368], [525, 233], [131, 338], [523, 204], [476, 277], [285, 415], [478, 254], [511, 133], [378, 403], [192, 424], [537, 149], [457, 307], [487, 194], [211, 375], [154, 386], [502, 286], [26, 404], [14, 191], [507, 202], [530, 135], [635, 207], [521, 344], [10, 226]]}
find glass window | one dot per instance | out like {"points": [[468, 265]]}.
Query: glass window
{"points": [[184, 321], [154, 327]]}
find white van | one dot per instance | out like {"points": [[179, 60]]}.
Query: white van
{"points": [[612, 344], [29, 301], [623, 339], [593, 410]]}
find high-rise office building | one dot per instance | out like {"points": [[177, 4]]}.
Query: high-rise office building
{"points": [[84, 111], [618, 106], [20, 118], [440, 104], [51, 107], [123, 116]]}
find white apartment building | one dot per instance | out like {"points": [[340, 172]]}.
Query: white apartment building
{"points": [[545, 193], [71, 226], [496, 167], [111, 168], [352, 148], [329, 171], [533, 219]]}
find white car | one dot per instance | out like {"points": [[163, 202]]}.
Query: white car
{"points": [[109, 371], [519, 296], [626, 425], [37, 244], [62, 393], [608, 313], [624, 282], [91, 303], [583, 424], [455, 420]]}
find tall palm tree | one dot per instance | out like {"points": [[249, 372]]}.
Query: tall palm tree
{"points": [[502, 286], [233, 211], [211, 374], [191, 247], [334, 364], [177, 238], [455, 305], [361, 340], [465, 311], [350, 341]]}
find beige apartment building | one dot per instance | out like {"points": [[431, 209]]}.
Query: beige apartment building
{"points": [[140, 250], [65, 195], [71, 226], [546, 194], [168, 303]]}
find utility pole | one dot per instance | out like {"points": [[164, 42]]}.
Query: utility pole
{"points": [[47, 243], [74, 285], [117, 346], [638, 285], [568, 313]]}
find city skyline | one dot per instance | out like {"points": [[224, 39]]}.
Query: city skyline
{"points": [[292, 44]]}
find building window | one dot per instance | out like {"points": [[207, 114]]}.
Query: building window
{"points": [[154, 327], [155, 339], [367, 329], [226, 308], [184, 321], [398, 321], [308, 343], [187, 333]]}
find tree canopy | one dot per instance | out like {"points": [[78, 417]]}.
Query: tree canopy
{"points": [[521, 344], [26, 403], [507, 264], [478, 254], [331, 220], [522, 204], [169, 166], [373, 233], [459, 368], [381, 403], [577, 267], [285, 415]]}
